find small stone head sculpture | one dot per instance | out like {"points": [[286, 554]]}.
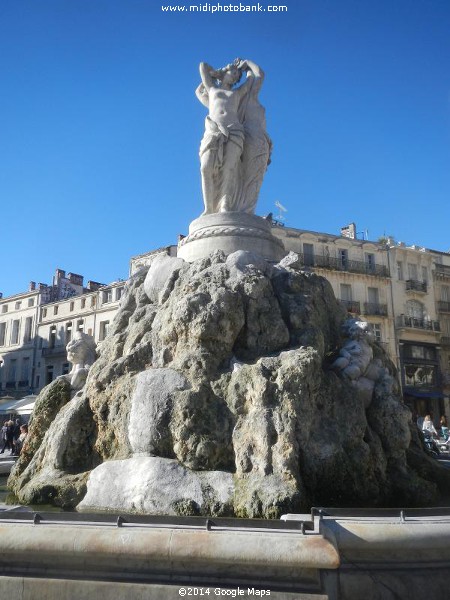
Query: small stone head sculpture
{"points": [[356, 329], [356, 353], [81, 353], [229, 75]]}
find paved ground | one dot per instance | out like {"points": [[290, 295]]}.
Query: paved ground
{"points": [[6, 462]]}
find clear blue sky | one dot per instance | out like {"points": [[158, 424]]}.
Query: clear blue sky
{"points": [[100, 127]]}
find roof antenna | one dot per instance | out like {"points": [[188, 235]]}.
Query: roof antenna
{"points": [[281, 210]]}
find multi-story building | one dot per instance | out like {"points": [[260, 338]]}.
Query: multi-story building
{"points": [[417, 327], [19, 315], [358, 270], [36, 326], [441, 281], [403, 291], [90, 312]]}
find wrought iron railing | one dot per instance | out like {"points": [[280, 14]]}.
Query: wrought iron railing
{"points": [[414, 323], [443, 306], [411, 285], [342, 264], [55, 351], [374, 308], [352, 306], [441, 270]]}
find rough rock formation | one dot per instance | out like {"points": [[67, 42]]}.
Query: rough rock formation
{"points": [[229, 386]]}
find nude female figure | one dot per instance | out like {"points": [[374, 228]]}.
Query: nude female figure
{"points": [[257, 145], [223, 141]]}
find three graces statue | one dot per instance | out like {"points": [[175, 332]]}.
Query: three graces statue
{"points": [[235, 149]]}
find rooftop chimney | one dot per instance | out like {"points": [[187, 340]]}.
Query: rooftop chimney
{"points": [[92, 286], [349, 231], [75, 279]]}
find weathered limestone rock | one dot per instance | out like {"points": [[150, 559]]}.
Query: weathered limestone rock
{"points": [[151, 408], [48, 404], [160, 277], [158, 486], [57, 472], [229, 391]]}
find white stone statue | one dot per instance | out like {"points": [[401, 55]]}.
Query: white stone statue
{"points": [[257, 143], [235, 149], [82, 354], [356, 354], [357, 364]]}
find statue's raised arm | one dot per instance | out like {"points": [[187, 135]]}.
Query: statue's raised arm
{"points": [[207, 75], [252, 70]]}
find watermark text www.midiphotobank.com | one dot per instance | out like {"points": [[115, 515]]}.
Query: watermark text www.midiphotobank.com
{"points": [[221, 8]]}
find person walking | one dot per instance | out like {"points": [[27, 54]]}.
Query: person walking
{"points": [[9, 437], [428, 426], [4, 438], [19, 443], [444, 427]]}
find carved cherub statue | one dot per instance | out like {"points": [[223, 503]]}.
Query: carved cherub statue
{"points": [[356, 354], [81, 353]]}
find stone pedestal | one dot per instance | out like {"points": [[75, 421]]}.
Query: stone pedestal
{"points": [[230, 232]]}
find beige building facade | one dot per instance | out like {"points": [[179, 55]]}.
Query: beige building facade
{"points": [[19, 316], [403, 291], [91, 313], [35, 327], [358, 271]]}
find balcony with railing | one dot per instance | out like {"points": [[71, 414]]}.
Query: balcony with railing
{"points": [[404, 321], [54, 352], [375, 309], [443, 306], [352, 306], [412, 285], [342, 264], [441, 271]]}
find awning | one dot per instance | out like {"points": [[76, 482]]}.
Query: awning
{"points": [[417, 394], [18, 405], [27, 409]]}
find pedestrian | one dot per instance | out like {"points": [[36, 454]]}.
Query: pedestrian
{"points": [[444, 427], [16, 432], [9, 437], [428, 426], [19, 443], [4, 438]]}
